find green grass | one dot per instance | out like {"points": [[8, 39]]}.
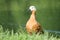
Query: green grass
{"points": [[22, 35]]}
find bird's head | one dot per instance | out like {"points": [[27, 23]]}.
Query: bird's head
{"points": [[32, 8]]}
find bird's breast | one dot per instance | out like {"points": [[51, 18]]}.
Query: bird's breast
{"points": [[31, 23]]}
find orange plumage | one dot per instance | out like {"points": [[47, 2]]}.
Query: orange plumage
{"points": [[32, 25]]}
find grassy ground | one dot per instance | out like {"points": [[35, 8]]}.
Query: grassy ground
{"points": [[22, 35]]}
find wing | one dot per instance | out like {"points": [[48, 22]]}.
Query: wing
{"points": [[37, 28]]}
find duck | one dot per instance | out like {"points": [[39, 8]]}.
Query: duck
{"points": [[32, 26]]}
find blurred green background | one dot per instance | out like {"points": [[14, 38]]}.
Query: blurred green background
{"points": [[15, 13]]}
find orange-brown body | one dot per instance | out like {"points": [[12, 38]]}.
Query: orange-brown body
{"points": [[32, 25]]}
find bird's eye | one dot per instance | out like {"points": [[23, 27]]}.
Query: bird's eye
{"points": [[32, 7]]}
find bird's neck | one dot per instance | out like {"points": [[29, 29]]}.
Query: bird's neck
{"points": [[32, 17]]}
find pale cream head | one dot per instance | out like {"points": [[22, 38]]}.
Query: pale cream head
{"points": [[32, 8]]}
